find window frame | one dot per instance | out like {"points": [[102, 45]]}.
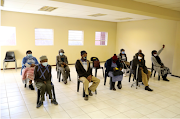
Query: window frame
{"points": [[76, 40], [106, 38], [52, 36]]}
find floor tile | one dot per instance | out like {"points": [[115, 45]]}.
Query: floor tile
{"points": [[54, 109], [62, 114], [5, 112], [110, 111], [101, 105], [97, 114], [38, 113], [89, 108], [69, 105], [133, 114], [4, 105], [166, 113], [24, 115], [75, 112], [19, 109]]}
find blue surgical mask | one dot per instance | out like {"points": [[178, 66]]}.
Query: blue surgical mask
{"points": [[84, 57], [123, 52], [61, 53], [45, 64], [29, 55]]}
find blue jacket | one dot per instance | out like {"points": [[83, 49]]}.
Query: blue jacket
{"points": [[108, 65], [25, 60]]}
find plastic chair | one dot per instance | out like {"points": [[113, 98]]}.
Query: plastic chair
{"points": [[10, 57], [106, 75], [131, 72], [78, 86], [59, 74], [96, 68], [152, 69]]}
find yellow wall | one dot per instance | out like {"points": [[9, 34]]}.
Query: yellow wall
{"points": [[26, 23], [148, 35], [176, 61]]}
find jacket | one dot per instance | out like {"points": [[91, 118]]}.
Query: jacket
{"points": [[108, 65]]}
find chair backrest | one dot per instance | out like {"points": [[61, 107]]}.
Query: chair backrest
{"points": [[95, 61], [10, 55]]}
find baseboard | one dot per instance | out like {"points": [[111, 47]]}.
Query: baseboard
{"points": [[175, 76]]}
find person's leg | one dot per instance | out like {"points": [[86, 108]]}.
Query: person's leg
{"points": [[148, 75], [49, 88], [42, 87], [62, 69], [145, 80], [113, 86], [96, 82], [119, 85], [86, 84], [30, 85], [67, 71]]}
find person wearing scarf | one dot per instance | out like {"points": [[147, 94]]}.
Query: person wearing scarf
{"points": [[113, 64], [29, 62], [84, 72], [158, 64]]}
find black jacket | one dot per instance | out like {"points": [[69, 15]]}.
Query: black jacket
{"points": [[108, 65], [81, 71]]}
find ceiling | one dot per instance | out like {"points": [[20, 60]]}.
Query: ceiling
{"points": [[70, 10], [169, 4]]}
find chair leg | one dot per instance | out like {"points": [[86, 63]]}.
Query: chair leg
{"points": [[95, 72], [78, 85], [59, 76], [129, 77], [151, 73], [96, 91], [54, 96], [105, 79], [83, 91], [3, 65], [154, 73], [103, 71], [16, 65], [110, 83], [25, 85], [69, 77], [38, 96], [158, 77]]}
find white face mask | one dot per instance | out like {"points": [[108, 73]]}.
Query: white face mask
{"points": [[139, 57], [61, 53], [45, 64], [155, 54]]}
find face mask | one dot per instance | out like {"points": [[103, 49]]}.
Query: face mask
{"points": [[84, 57], [139, 57], [155, 54], [29, 55], [123, 52], [61, 54], [45, 64]]}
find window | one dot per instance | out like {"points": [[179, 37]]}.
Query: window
{"points": [[7, 36], [101, 38], [75, 37], [44, 37]]}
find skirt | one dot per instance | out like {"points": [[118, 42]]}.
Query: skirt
{"points": [[115, 78]]}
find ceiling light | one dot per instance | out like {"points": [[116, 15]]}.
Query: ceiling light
{"points": [[127, 18], [97, 15], [47, 8]]}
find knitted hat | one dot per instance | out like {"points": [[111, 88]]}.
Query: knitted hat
{"points": [[115, 57], [83, 52], [61, 50], [43, 58]]}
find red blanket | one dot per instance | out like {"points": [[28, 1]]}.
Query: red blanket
{"points": [[28, 73]]}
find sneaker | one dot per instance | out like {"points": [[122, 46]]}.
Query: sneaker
{"points": [[86, 97], [39, 104], [54, 102], [148, 89], [90, 92], [31, 87], [165, 79]]}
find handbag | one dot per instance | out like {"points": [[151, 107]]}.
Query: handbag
{"points": [[117, 73]]}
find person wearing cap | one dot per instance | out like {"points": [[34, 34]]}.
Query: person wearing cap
{"points": [[29, 61], [62, 65], [114, 65], [42, 78], [84, 72], [143, 73]]}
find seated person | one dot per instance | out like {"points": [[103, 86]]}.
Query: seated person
{"points": [[113, 64], [62, 65], [158, 64], [42, 78], [143, 73], [29, 61], [140, 51], [84, 72], [123, 59]]}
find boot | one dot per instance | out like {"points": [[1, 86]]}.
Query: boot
{"points": [[90, 92], [113, 86], [86, 97], [165, 77], [119, 85], [31, 87], [148, 89]]}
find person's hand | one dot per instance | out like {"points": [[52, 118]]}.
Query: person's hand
{"points": [[45, 82], [141, 68], [162, 66], [163, 46], [62, 65], [32, 65], [120, 69], [89, 78], [114, 69]]}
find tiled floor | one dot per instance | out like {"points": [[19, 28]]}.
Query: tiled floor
{"points": [[19, 102]]}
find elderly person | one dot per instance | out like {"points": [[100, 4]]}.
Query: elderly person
{"points": [[143, 73], [113, 65], [123, 59], [42, 78], [28, 64], [62, 65], [137, 54], [158, 64], [85, 75]]}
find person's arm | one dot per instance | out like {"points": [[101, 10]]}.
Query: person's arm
{"points": [[36, 61], [126, 57], [154, 61], [23, 62], [134, 65], [59, 60], [35, 74], [66, 60], [159, 52], [109, 68]]}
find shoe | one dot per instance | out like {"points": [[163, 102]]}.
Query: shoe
{"points": [[86, 97], [142, 83], [165, 79], [119, 86], [54, 102], [90, 92], [39, 104], [114, 89], [65, 82], [31, 87], [148, 89]]}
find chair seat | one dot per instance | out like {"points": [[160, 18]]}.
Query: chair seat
{"points": [[9, 60], [98, 67]]}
